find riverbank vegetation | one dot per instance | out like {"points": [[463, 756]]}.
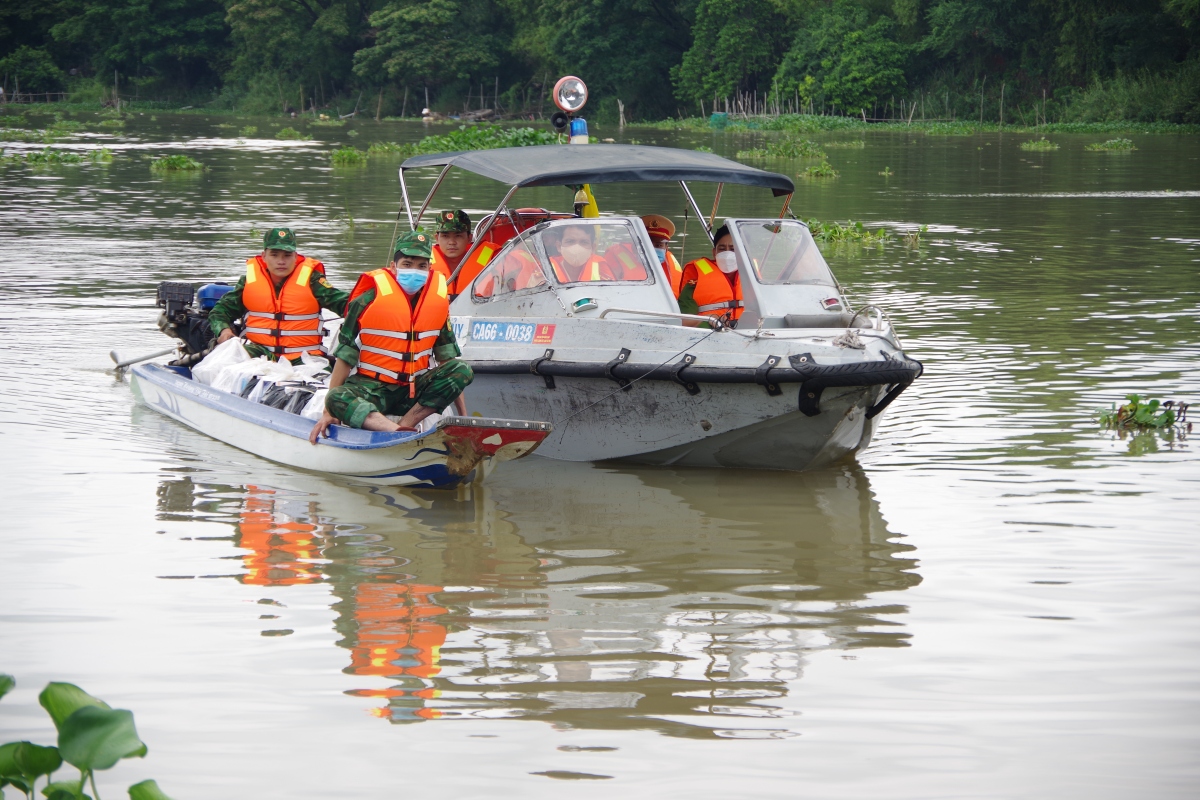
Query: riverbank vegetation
{"points": [[1026, 62]]}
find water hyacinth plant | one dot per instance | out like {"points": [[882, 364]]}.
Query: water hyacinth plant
{"points": [[50, 156], [291, 134], [1038, 145], [1111, 146], [248, 131], [822, 170], [787, 147], [473, 137], [850, 232], [1143, 414], [176, 163], [92, 736], [348, 157]]}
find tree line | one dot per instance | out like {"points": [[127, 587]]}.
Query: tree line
{"points": [[1101, 59]]}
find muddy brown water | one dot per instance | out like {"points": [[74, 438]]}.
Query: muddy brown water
{"points": [[995, 600]]}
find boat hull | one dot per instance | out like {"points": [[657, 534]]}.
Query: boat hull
{"points": [[733, 426], [456, 451]]}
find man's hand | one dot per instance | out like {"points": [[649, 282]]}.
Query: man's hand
{"points": [[225, 336], [322, 426]]}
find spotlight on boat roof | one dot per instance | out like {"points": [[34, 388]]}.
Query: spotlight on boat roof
{"points": [[570, 94]]}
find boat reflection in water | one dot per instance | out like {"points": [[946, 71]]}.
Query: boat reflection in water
{"points": [[586, 596]]}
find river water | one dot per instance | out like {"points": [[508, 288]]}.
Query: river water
{"points": [[996, 600]]}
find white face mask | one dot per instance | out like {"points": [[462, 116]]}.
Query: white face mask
{"points": [[576, 254], [727, 261]]}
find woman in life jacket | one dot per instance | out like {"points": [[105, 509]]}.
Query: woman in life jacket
{"points": [[712, 287], [575, 260], [397, 323]]}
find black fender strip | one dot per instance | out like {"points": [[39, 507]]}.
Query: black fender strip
{"points": [[814, 378]]}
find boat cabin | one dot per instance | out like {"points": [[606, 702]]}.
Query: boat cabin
{"points": [[555, 264]]}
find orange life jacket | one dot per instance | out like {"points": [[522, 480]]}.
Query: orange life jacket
{"points": [[594, 270], [715, 295], [623, 263], [518, 270], [470, 270], [288, 322], [674, 273], [395, 341]]}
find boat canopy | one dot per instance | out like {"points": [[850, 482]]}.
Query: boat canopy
{"points": [[559, 165]]}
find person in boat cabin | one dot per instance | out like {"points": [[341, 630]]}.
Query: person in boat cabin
{"points": [[281, 297], [712, 287], [661, 230], [576, 260], [398, 318], [452, 240]]}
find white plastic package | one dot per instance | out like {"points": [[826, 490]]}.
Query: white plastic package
{"points": [[234, 378], [226, 354], [316, 405]]}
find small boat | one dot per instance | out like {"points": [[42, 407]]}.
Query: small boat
{"points": [[456, 450], [799, 382]]}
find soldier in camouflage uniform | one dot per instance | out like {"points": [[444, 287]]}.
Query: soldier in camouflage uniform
{"points": [[278, 262], [363, 401]]}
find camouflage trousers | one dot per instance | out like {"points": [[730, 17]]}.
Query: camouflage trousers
{"points": [[354, 400]]}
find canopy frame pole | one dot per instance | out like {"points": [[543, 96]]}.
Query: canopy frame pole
{"points": [[787, 202], [432, 191], [699, 214], [407, 206], [716, 204], [483, 233]]}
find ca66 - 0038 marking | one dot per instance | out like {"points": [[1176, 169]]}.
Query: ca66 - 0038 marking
{"points": [[518, 332]]}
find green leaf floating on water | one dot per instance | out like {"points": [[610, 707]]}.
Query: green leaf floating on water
{"points": [[147, 790], [61, 700], [7, 682], [96, 738], [65, 790]]}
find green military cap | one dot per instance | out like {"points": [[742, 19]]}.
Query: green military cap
{"points": [[280, 239], [413, 243], [453, 222]]}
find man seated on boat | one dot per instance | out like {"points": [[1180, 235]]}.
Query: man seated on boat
{"points": [[575, 260], [397, 318], [281, 297], [452, 240], [712, 287]]}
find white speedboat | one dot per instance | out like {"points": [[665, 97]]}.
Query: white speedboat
{"points": [[457, 449], [614, 365]]}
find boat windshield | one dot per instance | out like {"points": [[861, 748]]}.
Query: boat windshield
{"points": [[783, 253], [570, 252]]}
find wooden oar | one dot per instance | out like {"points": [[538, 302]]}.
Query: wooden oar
{"points": [[123, 364]]}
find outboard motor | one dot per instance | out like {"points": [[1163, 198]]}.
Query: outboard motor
{"points": [[181, 320]]}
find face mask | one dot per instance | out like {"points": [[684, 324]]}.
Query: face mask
{"points": [[411, 280], [662, 254], [727, 261], [576, 254]]}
